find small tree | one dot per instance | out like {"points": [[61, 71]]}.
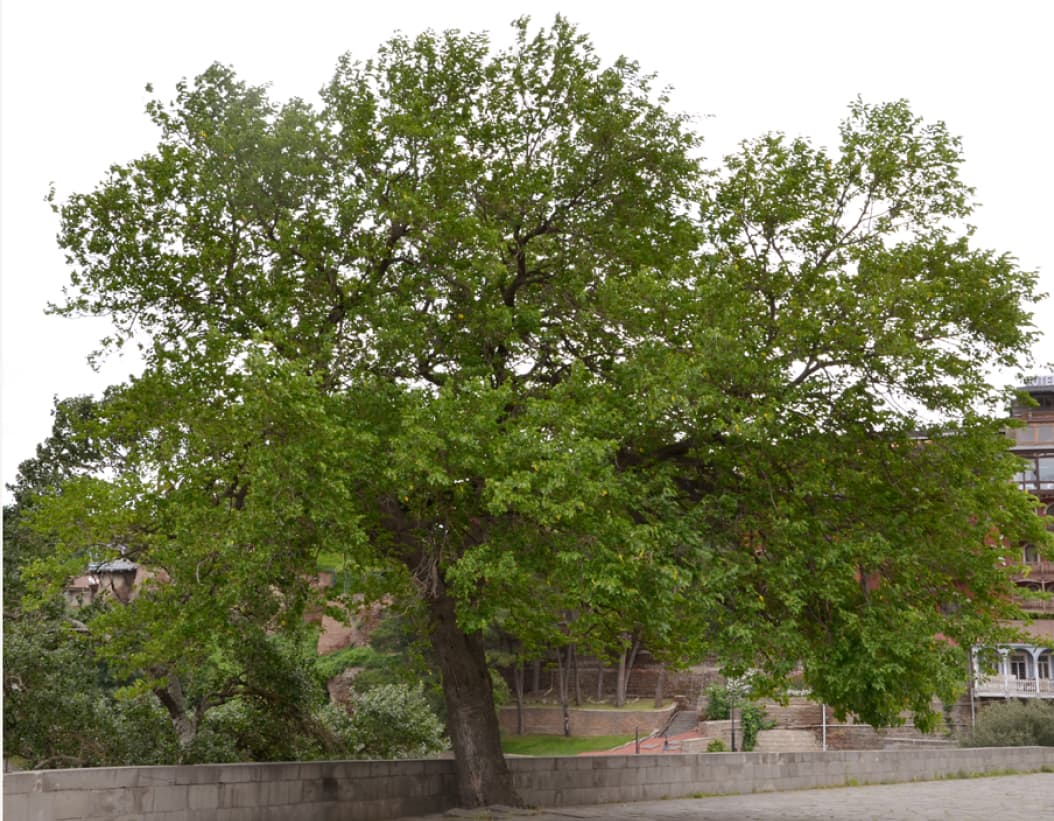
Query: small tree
{"points": [[722, 700]]}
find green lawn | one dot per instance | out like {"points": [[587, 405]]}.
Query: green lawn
{"points": [[560, 745]]}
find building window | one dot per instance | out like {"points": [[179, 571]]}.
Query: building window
{"points": [[1019, 666], [1043, 666], [1046, 470]]}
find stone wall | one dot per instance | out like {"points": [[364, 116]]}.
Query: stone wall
{"points": [[556, 782], [310, 791], [550, 721], [643, 679], [369, 791]]}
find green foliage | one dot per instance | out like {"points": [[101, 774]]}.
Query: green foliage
{"points": [[716, 745], [718, 702], [750, 717], [389, 721], [1014, 724], [59, 711], [244, 729], [752, 721], [70, 450], [333, 664], [399, 655]]}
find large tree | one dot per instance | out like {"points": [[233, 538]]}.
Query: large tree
{"points": [[482, 323]]}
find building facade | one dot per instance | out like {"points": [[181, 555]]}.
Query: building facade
{"points": [[1026, 670]]}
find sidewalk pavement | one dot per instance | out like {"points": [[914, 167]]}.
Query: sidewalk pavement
{"points": [[1007, 798]]}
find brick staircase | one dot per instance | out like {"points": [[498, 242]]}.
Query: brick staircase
{"points": [[683, 721]]}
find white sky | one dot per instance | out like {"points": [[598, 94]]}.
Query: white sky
{"points": [[74, 71]]}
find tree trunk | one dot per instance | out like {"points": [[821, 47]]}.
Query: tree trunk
{"points": [[472, 721], [536, 682], [563, 686], [573, 652], [518, 676], [659, 684], [625, 668], [620, 680], [600, 681]]}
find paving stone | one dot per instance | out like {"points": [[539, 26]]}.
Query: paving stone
{"points": [[1007, 798]]}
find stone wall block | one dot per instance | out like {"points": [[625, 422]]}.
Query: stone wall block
{"points": [[235, 814], [16, 805], [167, 798], [241, 794], [192, 774], [239, 773]]}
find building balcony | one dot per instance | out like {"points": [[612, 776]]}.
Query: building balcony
{"points": [[1039, 570], [1037, 607], [1010, 687]]}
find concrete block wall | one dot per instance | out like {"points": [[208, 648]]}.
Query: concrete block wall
{"points": [[559, 782], [311, 791], [371, 791]]}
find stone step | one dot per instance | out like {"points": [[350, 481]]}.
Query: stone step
{"points": [[683, 722]]}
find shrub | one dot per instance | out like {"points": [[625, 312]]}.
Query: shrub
{"points": [[716, 746], [1014, 724], [389, 721], [752, 720], [718, 702]]}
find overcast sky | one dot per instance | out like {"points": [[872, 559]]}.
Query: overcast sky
{"points": [[74, 71]]}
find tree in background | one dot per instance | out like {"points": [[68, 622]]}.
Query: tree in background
{"points": [[69, 451], [60, 703], [69, 701], [482, 323], [61, 711]]}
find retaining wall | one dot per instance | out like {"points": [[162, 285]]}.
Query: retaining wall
{"points": [[583, 721], [364, 790]]}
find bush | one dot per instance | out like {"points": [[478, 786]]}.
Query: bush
{"points": [[1014, 724], [389, 721], [718, 702], [716, 746]]}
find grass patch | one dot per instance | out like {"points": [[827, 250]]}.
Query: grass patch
{"points": [[560, 745]]}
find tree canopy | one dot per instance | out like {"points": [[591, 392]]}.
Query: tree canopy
{"points": [[483, 322]]}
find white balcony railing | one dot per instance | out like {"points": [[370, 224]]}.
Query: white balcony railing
{"points": [[1010, 687]]}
